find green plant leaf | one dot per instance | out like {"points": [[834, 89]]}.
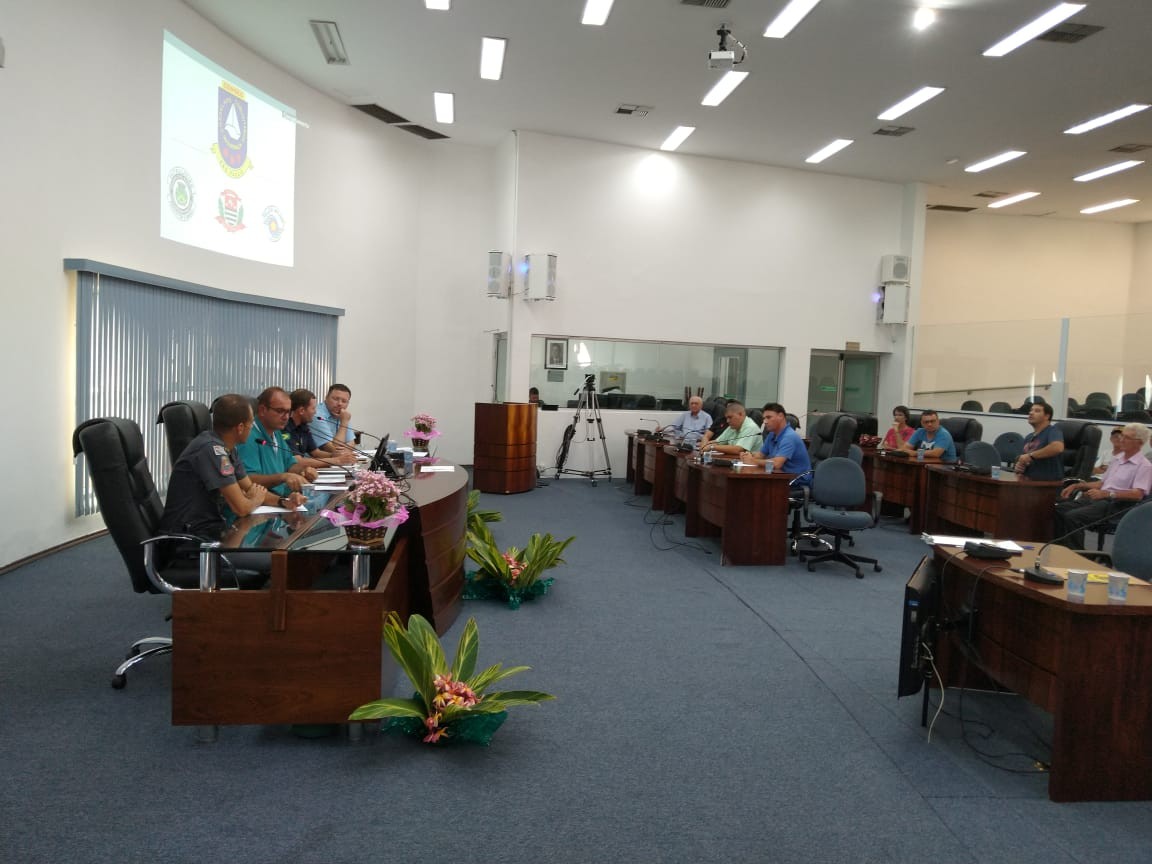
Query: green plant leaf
{"points": [[519, 697], [388, 708], [420, 632], [464, 664], [411, 657], [493, 674]]}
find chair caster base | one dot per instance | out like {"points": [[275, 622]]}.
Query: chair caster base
{"points": [[118, 682]]}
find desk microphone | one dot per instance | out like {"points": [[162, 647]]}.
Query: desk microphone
{"points": [[650, 420], [1038, 572]]}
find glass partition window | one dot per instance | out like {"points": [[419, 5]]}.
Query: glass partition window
{"points": [[652, 375]]}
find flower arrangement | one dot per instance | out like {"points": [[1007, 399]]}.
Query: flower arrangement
{"points": [[423, 428], [450, 702], [514, 575], [373, 505]]}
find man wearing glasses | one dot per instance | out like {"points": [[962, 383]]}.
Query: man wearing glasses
{"points": [[1125, 484], [267, 456]]}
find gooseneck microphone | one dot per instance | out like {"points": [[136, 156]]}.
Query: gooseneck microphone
{"points": [[1039, 572]]}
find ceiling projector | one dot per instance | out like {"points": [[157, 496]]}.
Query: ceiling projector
{"points": [[721, 59]]}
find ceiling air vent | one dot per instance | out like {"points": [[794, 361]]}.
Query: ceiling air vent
{"points": [[1069, 33], [1131, 148], [894, 131], [423, 132], [989, 194], [381, 113], [633, 110], [950, 208], [711, 4]]}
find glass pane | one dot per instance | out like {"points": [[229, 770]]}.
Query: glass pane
{"points": [[823, 386], [498, 385], [859, 384]]}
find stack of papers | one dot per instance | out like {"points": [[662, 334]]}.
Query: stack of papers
{"points": [[942, 540]]}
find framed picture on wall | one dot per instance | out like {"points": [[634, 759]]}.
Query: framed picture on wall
{"points": [[555, 353]]}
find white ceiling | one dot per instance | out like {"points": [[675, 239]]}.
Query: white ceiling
{"points": [[845, 63]]}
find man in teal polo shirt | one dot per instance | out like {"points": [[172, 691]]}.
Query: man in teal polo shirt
{"points": [[267, 456]]}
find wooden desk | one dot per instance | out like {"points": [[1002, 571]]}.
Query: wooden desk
{"points": [[659, 472], [1008, 507], [1089, 663], [746, 506], [901, 481]]}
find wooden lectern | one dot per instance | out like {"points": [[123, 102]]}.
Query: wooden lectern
{"points": [[504, 459]]}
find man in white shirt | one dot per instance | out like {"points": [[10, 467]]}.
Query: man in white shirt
{"points": [[1126, 483]]}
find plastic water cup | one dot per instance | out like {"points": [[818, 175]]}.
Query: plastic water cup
{"points": [[920, 455], [1118, 587], [995, 472], [769, 467], [1077, 583]]}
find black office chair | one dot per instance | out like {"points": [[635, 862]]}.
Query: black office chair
{"points": [[113, 450], [1131, 553], [1009, 445], [971, 405], [837, 486], [183, 420], [756, 415], [1000, 408], [793, 420], [962, 430], [981, 454], [1081, 445], [866, 424], [1132, 402]]}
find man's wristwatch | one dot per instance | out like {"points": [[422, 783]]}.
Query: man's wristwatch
{"points": [[1111, 496], [282, 502]]}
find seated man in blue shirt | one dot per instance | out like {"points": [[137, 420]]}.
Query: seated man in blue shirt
{"points": [[331, 427], [784, 447], [692, 423], [267, 456], [934, 440]]}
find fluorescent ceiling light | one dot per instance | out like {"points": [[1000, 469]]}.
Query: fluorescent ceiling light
{"points": [[492, 57], [724, 87], [1013, 199], [445, 107], [596, 12], [1111, 205], [916, 99], [1105, 119], [1111, 169], [677, 137], [1034, 28], [833, 148], [438, 5], [331, 45], [924, 18], [789, 17], [1007, 156]]}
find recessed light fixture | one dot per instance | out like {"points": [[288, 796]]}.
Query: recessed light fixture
{"points": [[992, 162], [1032, 29], [916, 99], [1110, 169], [1013, 199], [596, 12], [1105, 119], [438, 5], [831, 149], [1111, 205], [331, 45], [445, 104], [924, 18], [492, 57], [677, 137], [723, 88], [789, 17]]}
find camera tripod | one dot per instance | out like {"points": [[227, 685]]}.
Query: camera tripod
{"points": [[588, 409]]}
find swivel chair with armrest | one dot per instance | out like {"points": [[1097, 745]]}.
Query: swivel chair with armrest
{"points": [[1131, 552], [1081, 445], [837, 486], [183, 420], [981, 454], [962, 430], [1009, 445], [113, 449], [829, 436]]}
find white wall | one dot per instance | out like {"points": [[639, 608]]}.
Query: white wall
{"points": [[386, 223]]}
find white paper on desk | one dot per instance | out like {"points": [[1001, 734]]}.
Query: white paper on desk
{"points": [[941, 540], [338, 487], [268, 508], [428, 469]]}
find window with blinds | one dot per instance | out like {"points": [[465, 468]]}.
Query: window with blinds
{"points": [[143, 341]]}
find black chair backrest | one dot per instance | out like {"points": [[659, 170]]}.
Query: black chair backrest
{"points": [[611, 400], [866, 424], [838, 482], [1009, 446], [113, 449], [830, 435], [793, 420], [1098, 399], [962, 430], [1081, 443], [1132, 402], [981, 454], [645, 400], [756, 416], [971, 405], [183, 420], [1000, 408], [630, 401], [715, 406]]}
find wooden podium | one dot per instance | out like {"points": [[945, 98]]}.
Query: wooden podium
{"points": [[504, 459]]}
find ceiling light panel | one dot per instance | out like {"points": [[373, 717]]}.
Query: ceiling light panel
{"points": [[438, 5], [596, 12], [1032, 29], [492, 58], [1111, 205], [445, 104], [1105, 119], [992, 162], [829, 150], [914, 101], [1109, 169], [789, 17], [924, 18], [678, 136], [1013, 199], [723, 88], [331, 45]]}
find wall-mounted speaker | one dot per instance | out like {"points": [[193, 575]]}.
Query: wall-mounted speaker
{"points": [[539, 276], [895, 268], [499, 274]]}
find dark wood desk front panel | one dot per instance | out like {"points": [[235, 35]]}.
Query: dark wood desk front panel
{"points": [[747, 505], [1089, 663], [1007, 507], [901, 481]]}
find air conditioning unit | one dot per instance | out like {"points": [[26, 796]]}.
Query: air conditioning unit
{"points": [[539, 277], [895, 268], [892, 303], [499, 274]]}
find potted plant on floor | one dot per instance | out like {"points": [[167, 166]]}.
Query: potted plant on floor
{"points": [[516, 574]]}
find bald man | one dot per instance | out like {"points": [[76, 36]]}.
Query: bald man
{"points": [[692, 423]]}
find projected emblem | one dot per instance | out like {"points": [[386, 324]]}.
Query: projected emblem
{"points": [[231, 147], [274, 222], [181, 194], [230, 208]]}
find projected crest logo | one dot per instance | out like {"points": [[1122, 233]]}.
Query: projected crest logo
{"points": [[231, 210], [181, 194], [231, 147], [274, 222]]}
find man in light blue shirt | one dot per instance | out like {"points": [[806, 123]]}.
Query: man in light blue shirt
{"points": [[692, 423], [932, 438], [333, 420]]}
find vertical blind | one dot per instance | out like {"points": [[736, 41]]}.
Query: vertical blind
{"points": [[140, 346]]}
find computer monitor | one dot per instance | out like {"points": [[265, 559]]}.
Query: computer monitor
{"points": [[381, 462], [920, 619]]}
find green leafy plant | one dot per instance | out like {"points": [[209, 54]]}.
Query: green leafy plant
{"points": [[517, 573], [477, 517], [446, 696]]}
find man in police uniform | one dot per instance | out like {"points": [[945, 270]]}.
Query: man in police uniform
{"points": [[208, 477]]}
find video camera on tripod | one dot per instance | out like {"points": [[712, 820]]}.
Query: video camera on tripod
{"points": [[589, 385]]}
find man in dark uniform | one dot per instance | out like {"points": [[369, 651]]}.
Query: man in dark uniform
{"points": [[299, 433], [208, 477]]}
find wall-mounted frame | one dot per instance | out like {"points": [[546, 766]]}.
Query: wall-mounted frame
{"points": [[555, 353]]}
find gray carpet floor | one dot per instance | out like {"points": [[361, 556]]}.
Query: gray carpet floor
{"points": [[703, 714]]}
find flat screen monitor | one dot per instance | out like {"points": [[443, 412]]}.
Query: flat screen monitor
{"points": [[381, 462], [921, 608]]}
